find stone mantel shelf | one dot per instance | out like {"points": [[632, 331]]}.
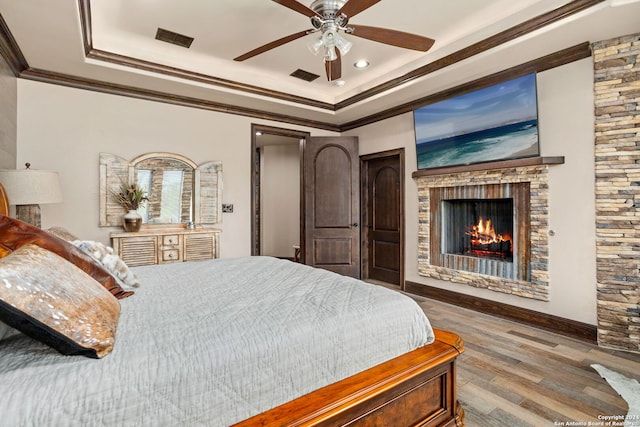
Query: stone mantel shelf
{"points": [[501, 164]]}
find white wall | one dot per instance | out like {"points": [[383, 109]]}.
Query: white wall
{"points": [[565, 104], [280, 210], [65, 129]]}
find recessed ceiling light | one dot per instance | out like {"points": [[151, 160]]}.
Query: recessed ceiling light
{"points": [[363, 63], [258, 133], [339, 82]]}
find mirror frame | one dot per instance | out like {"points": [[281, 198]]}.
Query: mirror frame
{"points": [[206, 205]]}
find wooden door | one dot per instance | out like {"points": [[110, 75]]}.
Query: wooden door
{"points": [[383, 218], [332, 204]]}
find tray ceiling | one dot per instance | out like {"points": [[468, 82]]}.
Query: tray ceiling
{"points": [[113, 42]]}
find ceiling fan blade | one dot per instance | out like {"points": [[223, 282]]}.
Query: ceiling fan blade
{"points": [[334, 68], [273, 44], [352, 7], [298, 7], [393, 37]]}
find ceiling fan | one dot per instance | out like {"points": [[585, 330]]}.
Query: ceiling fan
{"points": [[330, 18]]}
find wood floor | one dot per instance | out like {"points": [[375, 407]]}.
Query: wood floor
{"points": [[516, 376]]}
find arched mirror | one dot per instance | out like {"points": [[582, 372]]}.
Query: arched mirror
{"points": [[179, 190], [168, 183]]}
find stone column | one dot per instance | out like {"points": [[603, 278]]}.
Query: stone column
{"points": [[617, 167]]}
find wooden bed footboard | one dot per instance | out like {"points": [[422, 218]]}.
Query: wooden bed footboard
{"points": [[415, 389]]}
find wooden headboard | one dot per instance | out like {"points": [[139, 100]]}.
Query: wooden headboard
{"points": [[4, 201]]}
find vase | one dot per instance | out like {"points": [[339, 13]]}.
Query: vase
{"points": [[132, 221]]}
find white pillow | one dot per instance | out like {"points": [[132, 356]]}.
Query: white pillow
{"points": [[111, 262]]}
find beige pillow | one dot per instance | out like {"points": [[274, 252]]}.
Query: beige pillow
{"points": [[51, 300]]}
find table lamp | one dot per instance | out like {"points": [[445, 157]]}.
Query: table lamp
{"points": [[28, 188]]}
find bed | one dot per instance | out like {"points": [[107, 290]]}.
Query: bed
{"points": [[242, 341]]}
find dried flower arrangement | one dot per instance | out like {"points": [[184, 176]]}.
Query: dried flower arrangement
{"points": [[130, 196]]}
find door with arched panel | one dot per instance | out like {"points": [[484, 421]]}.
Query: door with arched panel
{"points": [[332, 204], [383, 217]]}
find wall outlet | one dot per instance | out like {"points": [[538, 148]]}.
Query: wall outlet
{"points": [[227, 208]]}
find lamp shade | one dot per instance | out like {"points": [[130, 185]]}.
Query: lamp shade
{"points": [[31, 186]]}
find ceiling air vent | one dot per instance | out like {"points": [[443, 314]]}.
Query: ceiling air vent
{"points": [[173, 38], [304, 75]]}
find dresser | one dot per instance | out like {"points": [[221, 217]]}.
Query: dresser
{"points": [[160, 246]]}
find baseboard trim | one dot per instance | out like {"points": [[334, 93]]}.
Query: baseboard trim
{"points": [[548, 322]]}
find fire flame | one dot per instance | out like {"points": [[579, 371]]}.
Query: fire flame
{"points": [[483, 233]]}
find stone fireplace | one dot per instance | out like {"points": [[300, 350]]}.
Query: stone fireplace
{"points": [[487, 228]]}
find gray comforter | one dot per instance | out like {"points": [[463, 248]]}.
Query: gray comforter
{"points": [[212, 343]]}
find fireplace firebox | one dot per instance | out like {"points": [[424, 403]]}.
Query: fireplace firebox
{"points": [[480, 228]]}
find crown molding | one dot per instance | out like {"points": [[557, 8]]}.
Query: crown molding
{"points": [[10, 50]]}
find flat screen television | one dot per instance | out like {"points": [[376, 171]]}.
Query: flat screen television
{"points": [[498, 122]]}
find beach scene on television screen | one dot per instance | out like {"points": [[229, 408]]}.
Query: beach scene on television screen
{"points": [[495, 123]]}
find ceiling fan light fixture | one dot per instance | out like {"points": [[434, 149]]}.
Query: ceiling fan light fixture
{"points": [[329, 41], [329, 37], [343, 44], [315, 46]]}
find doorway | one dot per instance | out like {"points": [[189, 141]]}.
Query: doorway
{"points": [[383, 234], [276, 182], [326, 189]]}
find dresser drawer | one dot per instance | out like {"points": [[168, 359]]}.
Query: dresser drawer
{"points": [[170, 255], [170, 240]]}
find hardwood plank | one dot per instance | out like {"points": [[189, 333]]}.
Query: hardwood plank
{"points": [[533, 338], [497, 368], [607, 398], [572, 409], [541, 411], [476, 395], [576, 392]]}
